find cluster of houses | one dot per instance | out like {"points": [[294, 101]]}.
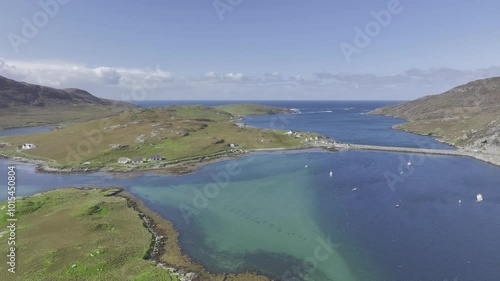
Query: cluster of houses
{"points": [[139, 159]]}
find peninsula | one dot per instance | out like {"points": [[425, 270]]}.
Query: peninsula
{"points": [[174, 139]]}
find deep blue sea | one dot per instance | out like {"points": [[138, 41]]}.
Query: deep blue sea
{"points": [[281, 213]]}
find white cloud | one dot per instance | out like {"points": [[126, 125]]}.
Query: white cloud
{"points": [[234, 76], [125, 83], [107, 75], [103, 81]]}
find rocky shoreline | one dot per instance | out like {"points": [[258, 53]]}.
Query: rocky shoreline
{"points": [[166, 252], [487, 153], [157, 246]]}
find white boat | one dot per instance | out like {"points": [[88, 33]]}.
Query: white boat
{"points": [[331, 174], [354, 189], [479, 198], [409, 164], [306, 166]]}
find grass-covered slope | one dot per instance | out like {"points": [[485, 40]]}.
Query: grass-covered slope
{"points": [[23, 104], [464, 116], [252, 109], [176, 133], [73, 234]]}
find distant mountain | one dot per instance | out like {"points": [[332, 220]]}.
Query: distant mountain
{"points": [[468, 115], [23, 104], [14, 93]]}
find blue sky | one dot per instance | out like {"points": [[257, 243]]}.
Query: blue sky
{"points": [[256, 49]]}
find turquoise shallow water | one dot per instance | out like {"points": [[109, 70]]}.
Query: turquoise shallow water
{"points": [[269, 217], [251, 220]]}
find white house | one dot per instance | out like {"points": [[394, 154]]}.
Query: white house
{"points": [[137, 160], [28, 146], [124, 160]]}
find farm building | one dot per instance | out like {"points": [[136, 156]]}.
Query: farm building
{"points": [[137, 160], [155, 157], [124, 160], [28, 146]]}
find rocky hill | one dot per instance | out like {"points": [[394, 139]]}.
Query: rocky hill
{"points": [[465, 116], [14, 93], [23, 104]]}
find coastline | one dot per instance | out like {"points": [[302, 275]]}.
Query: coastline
{"points": [[186, 167], [164, 249], [177, 168], [180, 168], [490, 155], [166, 252]]}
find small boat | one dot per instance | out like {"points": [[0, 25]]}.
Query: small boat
{"points": [[355, 189], [331, 174], [459, 201], [306, 166], [479, 198], [396, 206], [409, 164]]}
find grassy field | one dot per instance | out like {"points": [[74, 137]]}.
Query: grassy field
{"points": [[37, 116], [176, 133], [252, 109], [94, 234], [72, 234]]}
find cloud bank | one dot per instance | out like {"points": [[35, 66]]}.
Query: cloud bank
{"points": [[155, 83]]}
